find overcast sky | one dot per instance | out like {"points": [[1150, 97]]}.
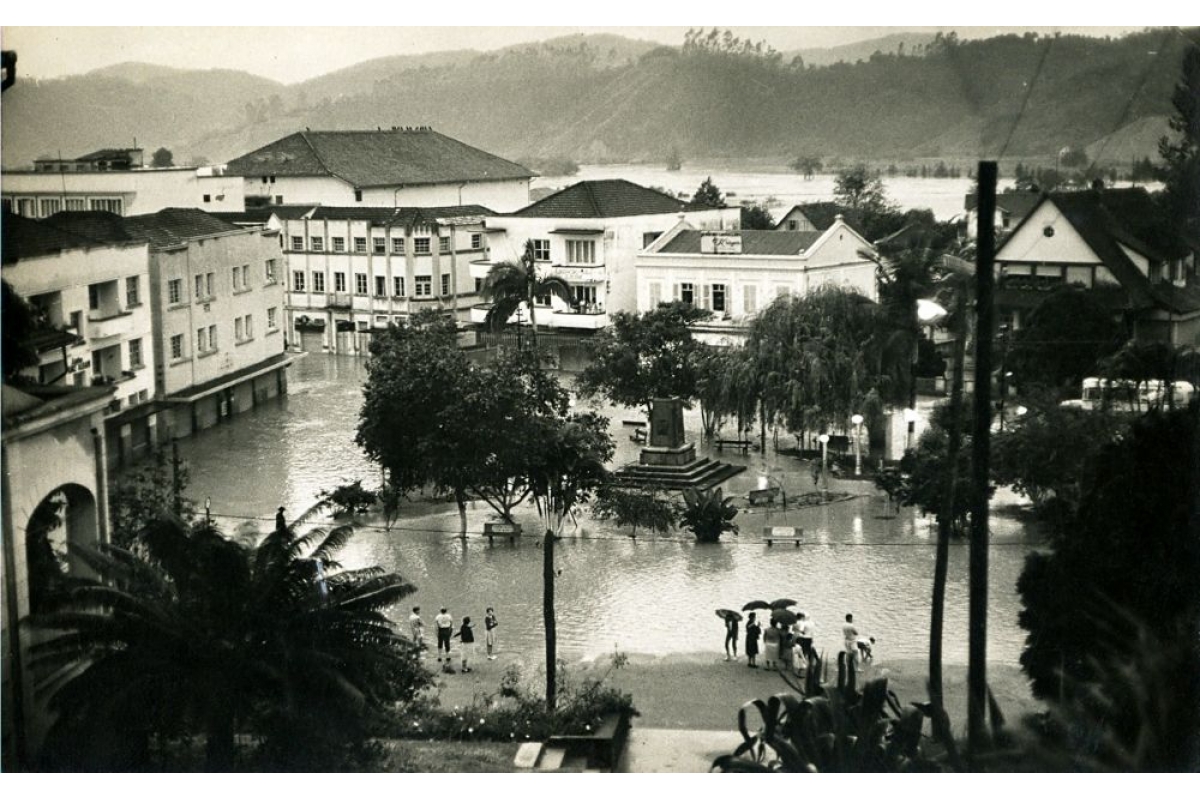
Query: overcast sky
{"points": [[292, 54]]}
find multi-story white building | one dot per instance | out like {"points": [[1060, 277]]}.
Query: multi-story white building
{"points": [[589, 234], [386, 168], [735, 274], [215, 298], [122, 187]]}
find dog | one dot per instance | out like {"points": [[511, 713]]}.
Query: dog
{"points": [[865, 648]]}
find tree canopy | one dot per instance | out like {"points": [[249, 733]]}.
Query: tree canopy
{"points": [[19, 322], [1063, 341], [708, 195], [757, 217], [1181, 152], [162, 158], [860, 189]]}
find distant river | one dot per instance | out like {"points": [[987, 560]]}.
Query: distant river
{"points": [[646, 596]]}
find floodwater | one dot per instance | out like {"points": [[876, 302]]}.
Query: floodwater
{"points": [[654, 595]]}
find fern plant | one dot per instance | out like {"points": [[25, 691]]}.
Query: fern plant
{"points": [[708, 514]]}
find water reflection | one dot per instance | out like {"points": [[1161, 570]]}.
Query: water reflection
{"points": [[651, 595]]}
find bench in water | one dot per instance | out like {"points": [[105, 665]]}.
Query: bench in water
{"points": [[507, 529], [782, 533], [740, 444], [763, 496]]}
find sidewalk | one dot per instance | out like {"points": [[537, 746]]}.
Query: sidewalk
{"points": [[672, 750]]}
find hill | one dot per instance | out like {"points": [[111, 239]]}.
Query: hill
{"points": [[900, 43], [606, 98]]}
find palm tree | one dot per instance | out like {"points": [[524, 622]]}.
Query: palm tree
{"points": [[192, 632], [508, 285]]}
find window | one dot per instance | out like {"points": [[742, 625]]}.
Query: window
{"points": [[793, 224], [249, 326], [655, 294], [476, 241], [298, 281], [26, 207], [379, 245], [398, 245], [687, 293], [581, 251], [237, 278], [339, 244], [541, 249], [718, 297], [208, 284], [318, 282], [199, 287], [272, 319], [76, 204], [381, 286], [421, 245], [445, 285], [443, 244], [278, 199], [339, 281], [208, 198], [245, 276], [201, 340], [177, 346], [212, 337], [398, 286], [749, 299], [131, 292], [318, 244], [297, 242], [105, 204], [76, 321], [478, 285], [360, 244], [269, 271], [358, 195], [135, 354], [424, 287], [51, 206], [360, 283], [174, 291], [237, 328], [381, 320], [272, 179]]}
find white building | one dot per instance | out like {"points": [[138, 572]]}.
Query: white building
{"points": [[40, 193], [589, 234], [735, 274], [380, 168]]}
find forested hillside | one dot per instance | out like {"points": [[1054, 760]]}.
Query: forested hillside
{"points": [[597, 98]]}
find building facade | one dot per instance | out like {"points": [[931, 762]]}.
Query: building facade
{"points": [[386, 168], [590, 234]]}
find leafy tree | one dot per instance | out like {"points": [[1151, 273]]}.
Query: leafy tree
{"points": [[19, 321], [1124, 576], [807, 166], [162, 158], [1142, 362], [350, 498], [1064, 340], [708, 195], [708, 514], [924, 470], [139, 498], [860, 189], [643, 356], [726, 386], [757, 217], [195, 634], [508, 286], [635, 508], [1072, 158]]}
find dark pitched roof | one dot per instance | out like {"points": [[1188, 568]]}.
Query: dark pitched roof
{"points": [[262, 214], [377, 158], [27, 238], [109, 153], [754, 243], [1177, 299], [598, 199], [400, 216], [823, 214], [1016, 202], [166, 228]]}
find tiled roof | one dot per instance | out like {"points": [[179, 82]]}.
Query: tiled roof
{"points": [[754, 243], [1017, 203], [109, 153], [262, 214], [599, 199], [377, 158], [400, 216], [1177, 299], [166, 228], [823, 214], [27, 238]]}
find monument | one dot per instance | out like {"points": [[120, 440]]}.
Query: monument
{"points": [[669, 462]]}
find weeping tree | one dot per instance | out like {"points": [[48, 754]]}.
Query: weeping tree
{"points": [[509, 285], [726, 386]]}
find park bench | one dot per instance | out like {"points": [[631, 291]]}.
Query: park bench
{"points": [[741, 444], [601, 747], [494, 529], [781, 533], [639, 436], [763, 496]]}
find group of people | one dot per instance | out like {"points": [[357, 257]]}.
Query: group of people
{"points": [[444, 628], [790, 647]]}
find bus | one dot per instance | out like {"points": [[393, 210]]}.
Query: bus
{"points": [[1131, 397]]}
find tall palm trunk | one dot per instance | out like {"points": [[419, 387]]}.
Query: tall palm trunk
{"points": [[548, 619], [533, 320], [460, 498]]}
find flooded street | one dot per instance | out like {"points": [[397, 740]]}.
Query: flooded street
{"points": [[650, 595]]}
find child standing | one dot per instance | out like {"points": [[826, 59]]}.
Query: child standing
{"points": [[466, 635], [489, 632], [445, 627], [418, 629]]}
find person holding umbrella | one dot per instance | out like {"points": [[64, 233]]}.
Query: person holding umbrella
{"points": [[753, 630], [732, 618]]}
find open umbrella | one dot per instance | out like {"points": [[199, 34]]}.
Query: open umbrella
{"points": [[756, 604], [783, 602], [786, 616], [725, 613]]}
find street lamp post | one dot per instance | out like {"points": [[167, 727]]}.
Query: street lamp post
{"points": [[824, 440], [207, 512], [857, 419], [910, 417]]}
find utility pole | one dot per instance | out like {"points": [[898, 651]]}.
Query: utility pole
{"points": [[176, 480], [978, 562]]}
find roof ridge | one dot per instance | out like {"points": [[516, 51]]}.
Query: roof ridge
{"points": [[317, 154]]}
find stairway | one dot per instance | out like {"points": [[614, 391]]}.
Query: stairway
{"points": [[702, 473]]}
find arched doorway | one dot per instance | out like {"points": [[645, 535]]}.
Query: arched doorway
{"points": [[67, 515]]}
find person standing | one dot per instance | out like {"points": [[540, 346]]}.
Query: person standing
{"points": [[850, 637], [753, 630], [417, 626], [444, 624], [786, 642], [466, 637], [771, 639], [731, 637], [489, 632], [804, 637]]}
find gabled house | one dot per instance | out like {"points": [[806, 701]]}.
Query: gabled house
{"points": [[382, 168], [589, 234], [1114, 242], [1012, 206], [818, 216]]}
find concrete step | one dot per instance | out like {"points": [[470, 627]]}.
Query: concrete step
{"points": [[528, 755], [552, 759]]}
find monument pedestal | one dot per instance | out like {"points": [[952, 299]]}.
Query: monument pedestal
{"points": [[668, 456], [669, 462]]}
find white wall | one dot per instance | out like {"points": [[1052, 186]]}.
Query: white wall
{"points": [[499, 196], [143, 191], [1031, 244]]}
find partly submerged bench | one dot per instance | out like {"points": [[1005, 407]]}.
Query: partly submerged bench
{"points": [[782, 533], [507, 529], [741, 444], [603, 746], [763, 496]]}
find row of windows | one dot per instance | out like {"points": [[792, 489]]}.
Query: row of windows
{"points": [[421, 244], [712, 296], [206, 337], [579, 251], [422, 284], [205, 283], [39, 208]]}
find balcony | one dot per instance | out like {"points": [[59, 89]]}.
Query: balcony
{"points": [[106, 328], [590, 319], [339, 300]]}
